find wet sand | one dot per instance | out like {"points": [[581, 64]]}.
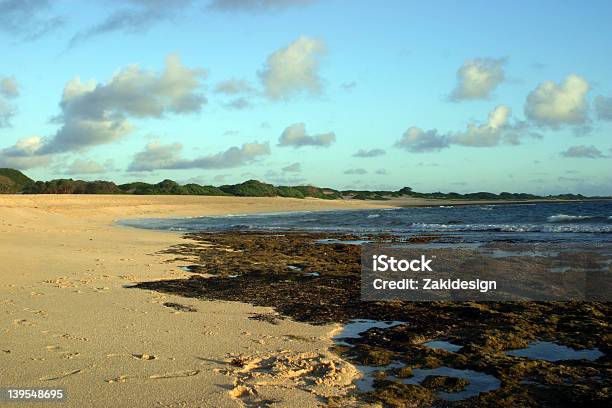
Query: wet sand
{"points": [[67, 320], [419, 354]]}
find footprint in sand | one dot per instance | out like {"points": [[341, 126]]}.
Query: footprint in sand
{"points": [[68, 336], [177, 374], [24, 322], [54, 377], [120, 379], [144, 356]]}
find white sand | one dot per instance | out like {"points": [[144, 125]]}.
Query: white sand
{"points": [[67, 320]]}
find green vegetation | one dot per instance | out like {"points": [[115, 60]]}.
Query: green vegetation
{"points": [[169, 187], [13, 182], [254, 188]]}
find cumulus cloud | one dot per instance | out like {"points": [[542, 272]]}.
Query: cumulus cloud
{"points": [[256, 6], [603, 106], [296, 136], [88, 166], [477, 78], [496, 130], [293, 168], [133, 16], [27, 19], [24, 154], [9, 87], [418, 140], [238, 104], [7, 111], [8, 90], [381, 172], [369, 153], [233, 87], [293, 69], [94, 114], [356, 171], [588, 152], [552, 104], [157, 156], [274, 177]]}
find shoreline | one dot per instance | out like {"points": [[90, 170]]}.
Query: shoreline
{"points": [[67, 319]]}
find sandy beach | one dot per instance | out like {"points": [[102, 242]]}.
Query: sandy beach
{"points": [[67, 319]]}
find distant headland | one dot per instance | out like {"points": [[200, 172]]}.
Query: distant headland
{"points": [[15, 182]]}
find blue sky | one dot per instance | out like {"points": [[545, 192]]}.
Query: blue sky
{"points": [[470, 96]]}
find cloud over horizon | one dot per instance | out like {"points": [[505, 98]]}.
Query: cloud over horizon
{"points": [[156, 156], [293, 69], [417, 140], [369, 153], [477, 78], [553, 105], [582, 151], [495, 131], [8, 90], [295, 135], [97, 113], [292, 168], [24, 154], [603, 107]]}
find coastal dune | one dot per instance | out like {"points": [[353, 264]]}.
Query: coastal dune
{"points": [[68, 318]]}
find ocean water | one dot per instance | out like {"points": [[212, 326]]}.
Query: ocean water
{"points": [[533, 222]]}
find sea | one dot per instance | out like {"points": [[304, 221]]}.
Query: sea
{"points": [[586, 222]]}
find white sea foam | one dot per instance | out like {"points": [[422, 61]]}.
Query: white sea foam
{"points": [[565, 218]]}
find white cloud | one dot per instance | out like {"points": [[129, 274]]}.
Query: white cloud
{"points": [[603, 106], [24, 154], [552, 104], [7, 111], [88, 166], [497, 129], [133, 16], [369, 153], [255, 6], [8, 90], [157, 156], [494, 131], [477, 78], [296, 136], [293, 168], [28, 19], [233, 87], [293, 69], [9, 87], [418, 140], [356, 171], [238, 104], [589, 152], [95, 114]]}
